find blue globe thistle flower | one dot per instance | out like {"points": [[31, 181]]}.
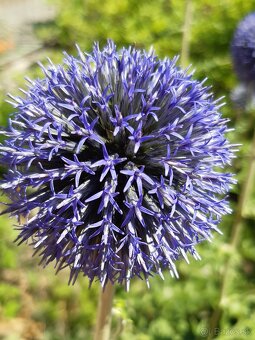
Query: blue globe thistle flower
{"points": [[243, 49], [113, 158]]}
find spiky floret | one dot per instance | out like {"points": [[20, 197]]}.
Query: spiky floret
{"points": [[114, 159], [243, 49]]}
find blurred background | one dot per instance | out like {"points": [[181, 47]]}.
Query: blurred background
{"points": [[214, 297]]}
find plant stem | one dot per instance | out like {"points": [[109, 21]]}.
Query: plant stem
{"points": [[235, 237], [104, 313], [186, 34]]}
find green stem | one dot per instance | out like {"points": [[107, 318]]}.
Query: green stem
{"points": [[186, 34], [104, 313], [234, 240]]}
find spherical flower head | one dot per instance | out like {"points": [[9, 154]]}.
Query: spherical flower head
{"points": [[113, 161], [243, 49]]}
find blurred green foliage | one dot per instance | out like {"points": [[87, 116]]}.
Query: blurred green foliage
{"points": [[171, 309], [159, 23]]}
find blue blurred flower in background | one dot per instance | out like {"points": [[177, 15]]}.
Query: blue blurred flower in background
{"points": [[243, 58], [114, 161], [243, 49]]}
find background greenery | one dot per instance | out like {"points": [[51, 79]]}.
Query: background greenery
{"points": [[36, 304]]}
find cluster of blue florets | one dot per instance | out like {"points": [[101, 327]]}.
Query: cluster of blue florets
{"points": [[113, 161]]}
